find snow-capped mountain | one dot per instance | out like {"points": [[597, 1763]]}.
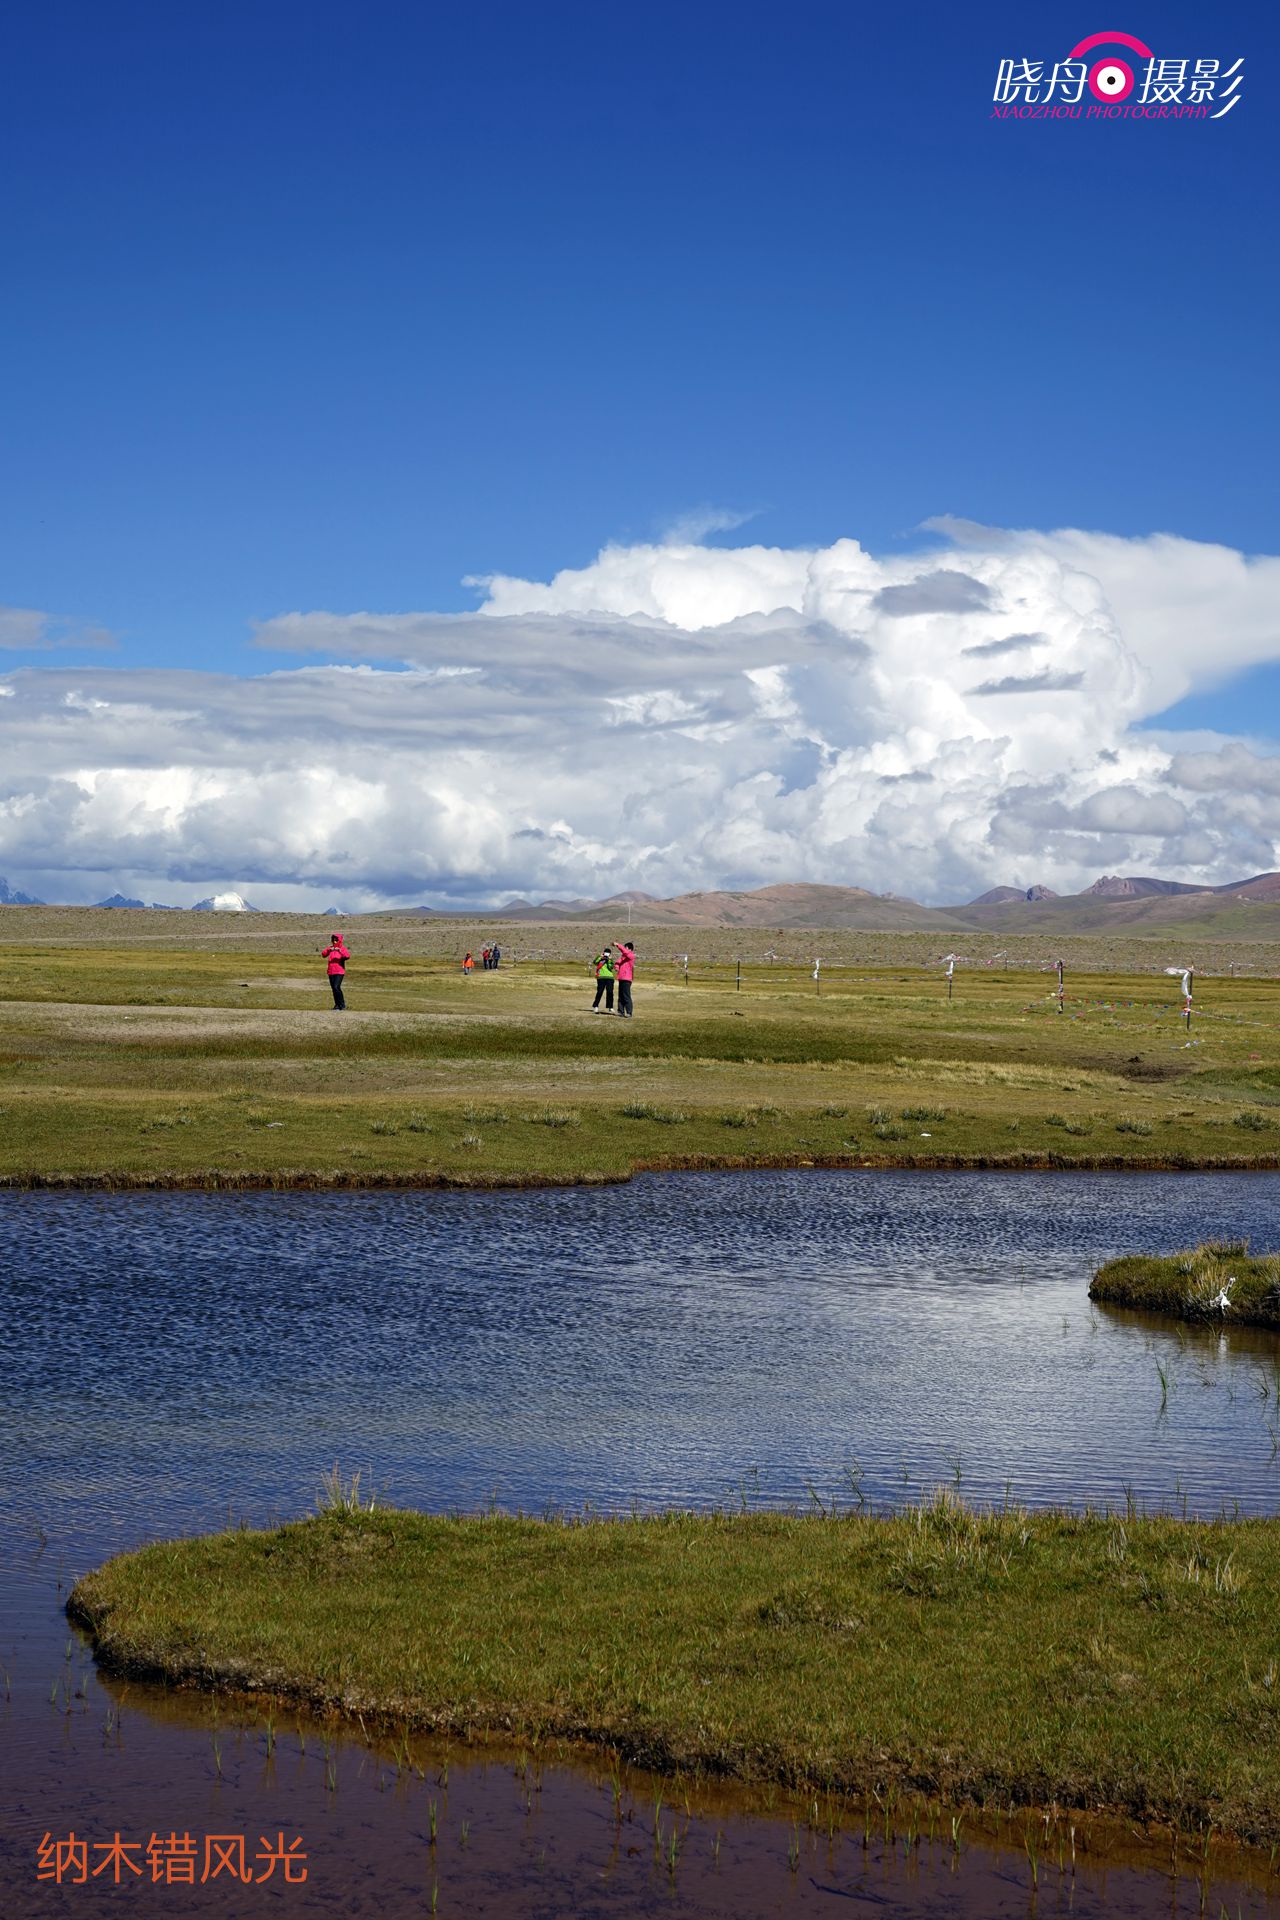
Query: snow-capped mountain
{"points": [[224, 903]]}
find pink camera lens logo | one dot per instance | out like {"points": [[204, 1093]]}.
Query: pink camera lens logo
{"points": [[1110, 78]]}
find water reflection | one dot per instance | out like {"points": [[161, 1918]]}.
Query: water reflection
{"points": [[167, 1361]]}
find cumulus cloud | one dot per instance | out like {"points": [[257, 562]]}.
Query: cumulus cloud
{"points": [[676, 715]]}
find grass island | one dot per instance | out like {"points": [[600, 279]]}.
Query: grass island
{"points": [[1219, 1281], [1118, 1663]]}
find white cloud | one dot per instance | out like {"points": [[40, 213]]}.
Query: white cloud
{"points": [[695, 524], [676, 715], [25, 630]]}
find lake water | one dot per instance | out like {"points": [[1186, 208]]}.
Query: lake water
{"points": [[167, 1361]]}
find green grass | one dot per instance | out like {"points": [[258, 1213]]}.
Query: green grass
{"points": [[209, 1054], [1116, 1663], [1189, 1286]]}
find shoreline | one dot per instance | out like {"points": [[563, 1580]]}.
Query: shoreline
{"points": [[342, 1181]]}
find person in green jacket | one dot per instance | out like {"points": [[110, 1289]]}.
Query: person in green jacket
{"points": [[602, 967]]}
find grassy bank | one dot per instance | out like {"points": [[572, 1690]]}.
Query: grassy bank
{"points": [[1111, 1663], [1219, 1281], [221, 1062]]}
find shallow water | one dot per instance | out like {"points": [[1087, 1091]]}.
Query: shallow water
{"points": [[169, 1360]]}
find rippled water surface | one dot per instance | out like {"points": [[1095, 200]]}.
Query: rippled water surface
{"points": [[167, 1360]]}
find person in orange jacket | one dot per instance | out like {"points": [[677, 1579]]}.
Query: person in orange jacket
{"points": [[468, 966]]}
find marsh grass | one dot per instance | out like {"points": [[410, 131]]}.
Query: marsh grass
{"points": [[1123, 1662], [339, 1495]]}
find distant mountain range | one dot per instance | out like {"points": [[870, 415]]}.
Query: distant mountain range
{"points": [[776, 906], [1133, 903], [216, 903]]}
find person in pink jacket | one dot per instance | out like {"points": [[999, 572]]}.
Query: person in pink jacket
{"points": [[624, 967], [337, 954]]}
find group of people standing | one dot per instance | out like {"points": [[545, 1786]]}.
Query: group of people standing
{"points": [[616, 965], [489, 958]]}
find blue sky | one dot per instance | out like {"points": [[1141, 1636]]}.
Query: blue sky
{"points": [[314, 308]]}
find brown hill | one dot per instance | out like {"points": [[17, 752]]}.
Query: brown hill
{"points": [[1262, 887], [1115, 886], [998, 896], [787, 905]]}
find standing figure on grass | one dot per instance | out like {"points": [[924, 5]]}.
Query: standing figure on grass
{"points": [[468, 965], [625, 969], [337, 954], [602, 967]]}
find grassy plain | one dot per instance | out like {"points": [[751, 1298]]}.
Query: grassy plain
{"points": [[1115, 1663], [140, 1047]]}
